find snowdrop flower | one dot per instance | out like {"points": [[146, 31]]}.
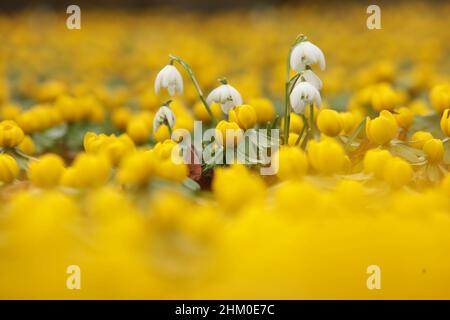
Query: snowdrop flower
{"points": [[170, 78], [312, 78], [227, 96], [305, 54], [303, 94], [163, 116]]}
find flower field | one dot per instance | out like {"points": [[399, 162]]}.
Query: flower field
{"points": [[88, 176]]}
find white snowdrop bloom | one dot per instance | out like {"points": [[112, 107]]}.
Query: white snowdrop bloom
{"points": [[163, 116], [227, 96], [312, 78], [303, 94], [305, 54], [170, 78]]}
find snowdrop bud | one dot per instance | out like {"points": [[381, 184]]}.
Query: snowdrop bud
{"points": [[163, 116], [227, 96], [170, 78], [305, 54], [303, 94]]}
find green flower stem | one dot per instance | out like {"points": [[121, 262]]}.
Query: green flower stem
{"points": [[16, 152], [306, 139], [196, 85], [287, 113], [287, 88], [305, 125], [355, 134], [170, 129], [311, 119]]}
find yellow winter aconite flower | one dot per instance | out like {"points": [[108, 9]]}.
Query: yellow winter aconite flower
{"points": [[11, 134], [162, 134], [137, 168], [128, 208], [166, 149], [27, 146], [49, 218], [139, 129], [397, 172], [202, 114], [244, 115], [68, 108], [382, 129], [419, 138], [115, 148], [384, 97], [440, 97], [329, 122], [375, 160], [9, 169], [46, 172], [349, 121], [292, 163], [49, 90], [39, 118], [293, 137], [419, 107], [231, 187], [87, 171], [120, 117], [9, 112], [295, 123], [230, 130], [445, 185], [445, 122], [434, 149], [171, 170], [265, 111], [404, 117], [326, 156], [93, 110]]}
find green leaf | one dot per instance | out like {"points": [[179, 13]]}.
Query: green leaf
{"points": [[191, 185], [410, 154]]}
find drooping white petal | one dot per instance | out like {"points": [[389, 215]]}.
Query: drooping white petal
{"points": [[227, 96], [305, 54], [158, 82], [227, 106], [296, 59], [313, 79], [304, 93], [163, 115], [299, 108], [170, 78]]}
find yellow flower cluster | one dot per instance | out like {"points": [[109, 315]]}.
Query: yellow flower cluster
{"points": [[89, 177]]}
